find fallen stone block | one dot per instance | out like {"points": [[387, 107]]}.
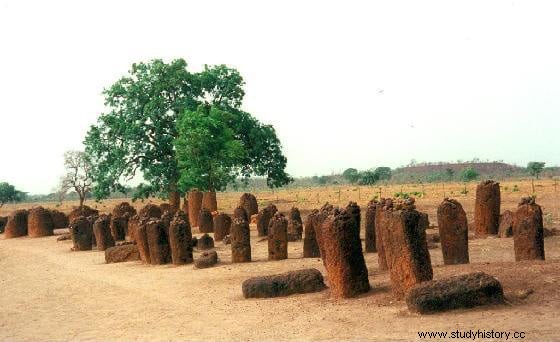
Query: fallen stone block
{"points": [[206, 259], [285, 284], [122, 253]]}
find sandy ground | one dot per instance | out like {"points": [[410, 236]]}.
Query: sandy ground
{"points": [[51, 293]]}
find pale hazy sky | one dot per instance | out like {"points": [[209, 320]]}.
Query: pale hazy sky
{"points": [[346, 83]]}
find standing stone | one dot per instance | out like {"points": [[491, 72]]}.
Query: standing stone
{"points": [[370, 227], [81, 232], [83, 211], [528, 232], [102, 232], [132, 227], [487, 208], [150, 211], [141, 236], [195, 204], [318, 219], [505, 229], [205, 221], [60, 220], [310, 246], [343, 258], [39, 223], [453, 232], [240, 213], [185, 207], [381, 212], [205, 242], [3, 221], [158, 242], [354, 209], [295, 225], [278, 238], [424, 222], [406, 248], [180, 237], [123, 209], [119, 226], [249, 203], [263, 219], [17, 224], [240, 241], [165, 207], [209, 201], [222, 225]]}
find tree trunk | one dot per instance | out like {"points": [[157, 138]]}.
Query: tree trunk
{"points": [[82, 199], [174, 197]]}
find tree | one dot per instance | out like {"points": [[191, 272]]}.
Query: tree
{"points": [[351, 175], [78, 175], [468, 174], [368, 177], [208, 153], [383, 173], [138, 132], [449, 172], [8, 193], [535, 168]]}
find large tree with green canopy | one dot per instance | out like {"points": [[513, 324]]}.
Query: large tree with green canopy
{"points": [[138, 132]]}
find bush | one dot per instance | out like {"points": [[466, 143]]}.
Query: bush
{"points": [[468, 174]]}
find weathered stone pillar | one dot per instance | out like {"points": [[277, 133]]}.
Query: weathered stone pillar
{"points": [[158, 242], [205, 221], [102, 232], [453, 232], [81, 232], [195, 204], [39, 223], [528, 231], [180, 237], [240, 241], [17, 224], [487, 208], [249, 203], [209, 201], [370, 227], [278, 238], [310, 245], [263, 219], [222, 225]]}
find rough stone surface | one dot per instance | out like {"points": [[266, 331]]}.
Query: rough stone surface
{"points": [[123, 209], [310, 246], [342, 254], [528, 235], [3, 221], [39, 223], [240, 241], [222, 226], [285, 284], [209, 201], [370, 227], [150, 211], [505, 228], [278, 238], [453, 232], [406, 248], [295, 225], [206, 259], [122, 253], [141, 237], [119, 226], [180, 239], [249, 203], [205, 221], [102, 232], [263, 219], [17, 224], [354, 209], [81, 231], [487, 208], [158, 242], [132, 227], [165, 207], [381, 213], [85, 211], [59, 219], [205, 242], [194, 198], [424, 222], [464, 291], [318, 219], [240, 213]]}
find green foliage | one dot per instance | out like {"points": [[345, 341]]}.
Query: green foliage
{"points": [[468, 174], [400, 194], [383, 173], [351, 175], [515, 188], [535, 168], [418, 194], [434, 177], [208, 153], [138, 132], [8, 193], [449, 172], [322, 180], [368, 177], [464, 191]]}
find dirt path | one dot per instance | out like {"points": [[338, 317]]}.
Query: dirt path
{"points": [[51, 293]]}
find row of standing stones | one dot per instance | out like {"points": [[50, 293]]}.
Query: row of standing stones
{"points": [[394, 230]]}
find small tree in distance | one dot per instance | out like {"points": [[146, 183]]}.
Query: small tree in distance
{"points": [[468, 174], [351, 175], [78, 175], [535, 168], [8, 193]]}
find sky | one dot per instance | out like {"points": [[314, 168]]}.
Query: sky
{"points": [[345, 83]]}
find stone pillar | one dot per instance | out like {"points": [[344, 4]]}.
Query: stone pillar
{"points": [[310, 246], [158, 242], [150, 211], [241, 214], [222, 225], [118, 226], [205, 221], [528, 231], [487, 208], [209, 201], [343, 258], [141, 235], [249, 203], [278, 238], [354, 209], [180, 237], [81, 232], [102, 232], [240, 241], [370, 227], [263, 219], [453, 232], [39, 223], [381, 212], [295, 225], [406, 248], [17, 224], [195, 204], [318, 220]]}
